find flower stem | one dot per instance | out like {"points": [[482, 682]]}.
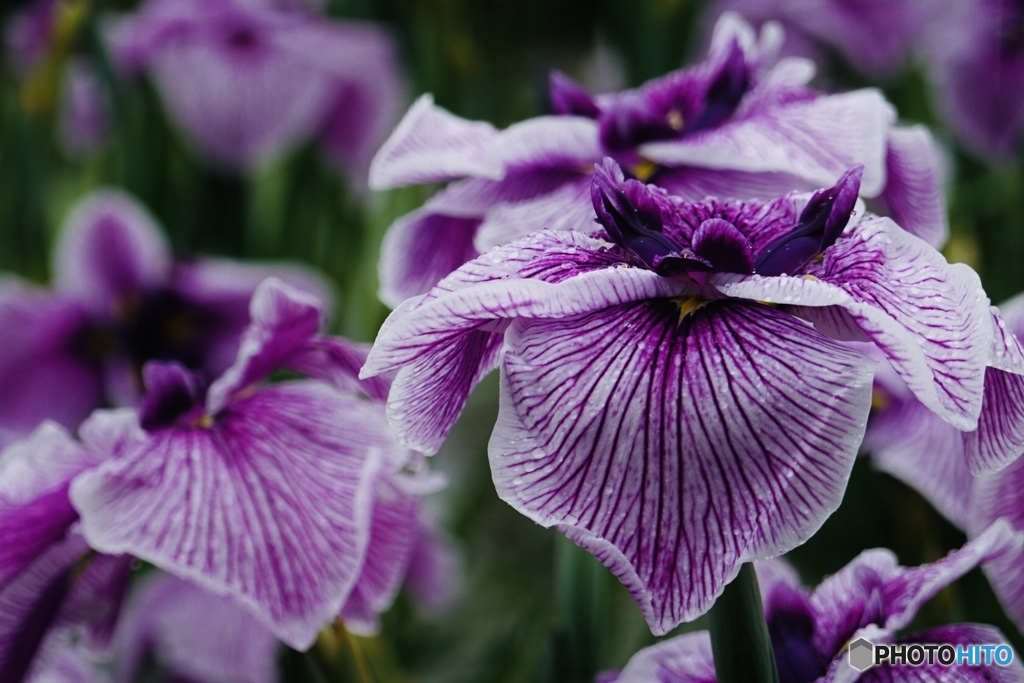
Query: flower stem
{"points": [[581, 611], [739, 634]]}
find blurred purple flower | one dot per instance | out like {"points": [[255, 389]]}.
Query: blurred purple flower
{"points": [[289, 497], [876, 37], [872, 597], [737, 125], [84, 110], [665, 401], [247, 80], [28, 34], [974, 54], [50, 581], [118, 301], [192, 635]]}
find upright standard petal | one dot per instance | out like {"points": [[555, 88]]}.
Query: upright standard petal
{"points": [[677, 449], [282, 321], [269, 504], [110, 252], [913, 194]]}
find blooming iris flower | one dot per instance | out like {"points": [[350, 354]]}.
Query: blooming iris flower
{"points": [[118, 301], [872, 597], [974, 56], [737, 125], [961, 474], [245, 80], [665, 399], [877, 36], [292, 500]]}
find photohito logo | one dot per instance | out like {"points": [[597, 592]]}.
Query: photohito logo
{"points": [[864, 654]]}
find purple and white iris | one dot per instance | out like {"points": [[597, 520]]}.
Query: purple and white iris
{"points": [[738, 125], [247, 80], [876, 37], [974, 55], [872, 597], [676, 393], [119, 300], [961, 475], [293, 500]]}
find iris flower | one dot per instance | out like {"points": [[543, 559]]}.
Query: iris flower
{"points": [[872, 598], [974, 57], [247, 80], [676, 394], [973, 478], [737, 125], [118, 301], [293, 500]]}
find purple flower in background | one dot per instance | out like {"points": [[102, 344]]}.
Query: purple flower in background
{"points": [[665, 400], [118, 301], [245, 80], [192, 634], [737, 125], [84, 108], [874, 36], [974, 54], [872, 597], [50, 582], [28, 34], [270, 494]]}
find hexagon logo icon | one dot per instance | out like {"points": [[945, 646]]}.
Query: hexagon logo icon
{"points": [[862, 654]]}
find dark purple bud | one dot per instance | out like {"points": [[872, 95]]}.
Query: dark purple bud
{"points": [[172, 392], [725, 92], [723, 246], [677, 105], [819, 226], [632, 213], [569, 98], [791, 631], [35, 625]]}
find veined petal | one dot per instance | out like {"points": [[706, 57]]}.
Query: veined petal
{"points": [[566, 207], [31, 602], [677, 450], [270, 504], [550, 142], [928, 318], [817, 140], [1001, 496], [433, 145], [912, 444], [683, 659], [999, 438], [444, 343], [419, 250], [35, 512], [283, 319], [914, 187], [393, 535], [874, 589], [110, 252]]}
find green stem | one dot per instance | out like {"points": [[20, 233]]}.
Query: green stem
{"points": [[582, 610], [739, 634]]}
